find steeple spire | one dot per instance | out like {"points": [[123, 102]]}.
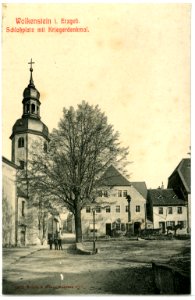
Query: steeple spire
{"points": [[31, 103], [31, 82]]}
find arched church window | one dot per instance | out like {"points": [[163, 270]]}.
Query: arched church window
{"points": [[45, 147], [27, 108], [33, 108], [21, 142]]}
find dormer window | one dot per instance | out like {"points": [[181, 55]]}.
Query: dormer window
{"points": [[21, 142]]}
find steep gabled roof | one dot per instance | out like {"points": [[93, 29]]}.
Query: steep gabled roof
{"points": [[112, 177], [164, 197], [141, 188], [184, 171]]}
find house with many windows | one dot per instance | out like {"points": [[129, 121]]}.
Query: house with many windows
{"points": [[180, 182], [120, 206], [166, 210]]}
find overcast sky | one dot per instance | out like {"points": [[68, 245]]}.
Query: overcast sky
{"points": [[134, 62]]}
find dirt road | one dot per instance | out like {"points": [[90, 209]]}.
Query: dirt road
{"points": [[120, 268]]}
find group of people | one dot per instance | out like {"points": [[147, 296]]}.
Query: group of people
{"points": [[57, 241]]}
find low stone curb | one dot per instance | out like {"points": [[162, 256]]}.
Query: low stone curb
{"points": [[80, 249]]}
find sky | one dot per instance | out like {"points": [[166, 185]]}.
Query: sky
{"points": [[133, 61]]}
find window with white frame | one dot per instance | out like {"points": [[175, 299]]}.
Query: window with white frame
{"points": [[179, 209], [120, 226], [160, 210], [170, 223], [119, 193], [108, 209], [182, 223], [170, 210], [127, 208], [124, 193], [98, 209], [118, 208], [137, 208]]}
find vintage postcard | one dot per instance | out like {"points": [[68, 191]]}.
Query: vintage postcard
{"points": [[96, 166]]}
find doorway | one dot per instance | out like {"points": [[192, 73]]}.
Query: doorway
{"points": [[137, 227], [162, 226], [22, 238], [108, 229]]}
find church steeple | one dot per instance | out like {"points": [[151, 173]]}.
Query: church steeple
{"points": [[29, 128], [31, 103], [31, 70]]}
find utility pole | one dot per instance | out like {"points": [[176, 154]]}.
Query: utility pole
{"points": [[145, 215], [93, 210]]}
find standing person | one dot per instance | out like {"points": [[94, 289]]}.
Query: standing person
{"points": [[59, 243], [56, 243], [50, 242]]}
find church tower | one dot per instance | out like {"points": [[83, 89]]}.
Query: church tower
{"points": [[27, 132], [29, 128]]}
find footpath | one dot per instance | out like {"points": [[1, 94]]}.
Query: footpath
{"points": [[11, 255]]}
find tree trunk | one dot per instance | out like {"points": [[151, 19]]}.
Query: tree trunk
{"points": [[78, 226]]}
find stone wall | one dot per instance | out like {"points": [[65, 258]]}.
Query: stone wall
{"points": [[9, 198]]}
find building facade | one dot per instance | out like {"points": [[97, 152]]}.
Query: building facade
{"points": [[9, 202], [166, 210], [180, 182], [112, 213]]}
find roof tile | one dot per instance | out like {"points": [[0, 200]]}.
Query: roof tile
{"points": [[164, 197]]}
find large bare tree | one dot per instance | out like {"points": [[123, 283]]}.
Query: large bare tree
{"points": [[80, 150]]}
